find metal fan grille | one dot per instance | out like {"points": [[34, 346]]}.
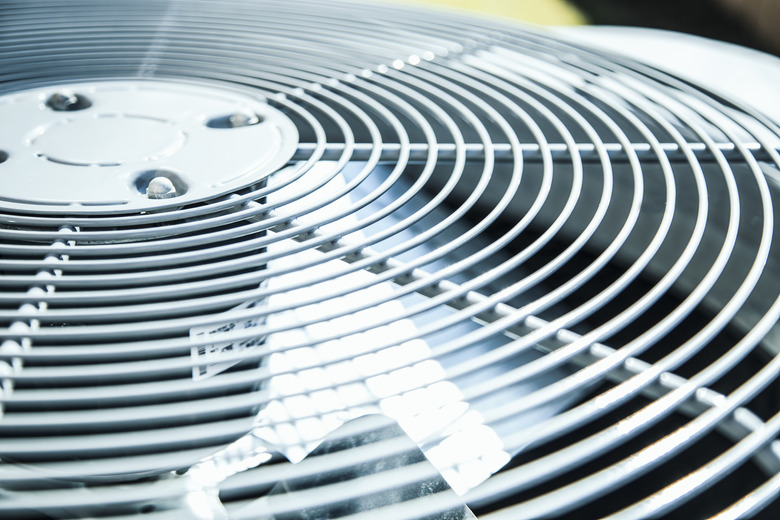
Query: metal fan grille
{"points": [[574, 250]]}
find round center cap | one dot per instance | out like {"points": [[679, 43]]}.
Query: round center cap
{"points": [[106, 140], [137, 145]]}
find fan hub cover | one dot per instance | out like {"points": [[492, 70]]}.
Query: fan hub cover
{"points": [[96, 146]]}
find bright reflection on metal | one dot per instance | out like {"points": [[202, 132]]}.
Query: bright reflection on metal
{"points": [[310, 397]]}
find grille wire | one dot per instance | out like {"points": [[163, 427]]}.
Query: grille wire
{"points": [[481, 173]]}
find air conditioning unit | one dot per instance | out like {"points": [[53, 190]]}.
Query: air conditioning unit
{"points": [[304, 259]]}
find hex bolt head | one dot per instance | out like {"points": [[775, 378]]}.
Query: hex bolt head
{"points": [[160, 188]]}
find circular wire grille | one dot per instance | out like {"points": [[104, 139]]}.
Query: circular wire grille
{"points": [[564, 257]]}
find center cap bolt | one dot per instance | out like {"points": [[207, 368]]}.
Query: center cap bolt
{"points": [[160, 188], [67, 101]]}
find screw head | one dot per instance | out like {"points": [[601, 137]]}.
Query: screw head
{"points": [[160, 188], [240, 119], [67, 101]]}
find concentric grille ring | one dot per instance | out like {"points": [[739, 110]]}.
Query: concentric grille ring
{"points": [[560, 258]]}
